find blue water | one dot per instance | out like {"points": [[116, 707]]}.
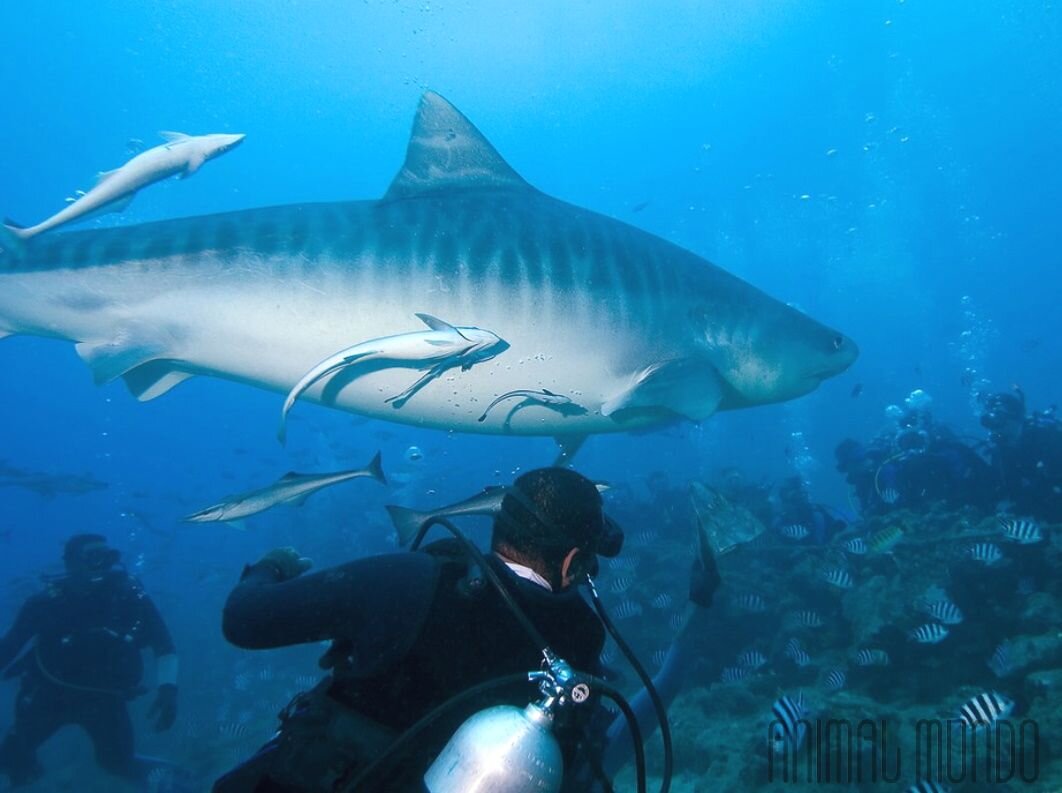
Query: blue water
{"points": [[889, 167]]}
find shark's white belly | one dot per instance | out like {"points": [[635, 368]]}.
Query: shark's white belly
{"points": [[262, 326]]}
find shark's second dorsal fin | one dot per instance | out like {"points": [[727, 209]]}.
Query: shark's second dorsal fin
{"points": [[447, 152]]}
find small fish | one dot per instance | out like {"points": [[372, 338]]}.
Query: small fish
{"points": [[661, 601], [889, 495], [628, 609], [658, 658], [986, 553], [621, 584], [750, 602], [927, 786], [985, 709], [1023, 532], [856, 546], [292, 488], [809, 619], [232, 729], [885, 540], [800, 657], [944, 611], [838, 577], [789, 722], [677, 621], [558, 402], [930, 633], [734, 674], [857, 389], [241, 682], [408, 522], [751, 659], [640, 206], [791, 646], [794, 531], [1000, 662], [835, 680], [871, 657]]}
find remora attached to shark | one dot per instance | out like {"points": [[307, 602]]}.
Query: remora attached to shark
{"points": [[636, 330]]}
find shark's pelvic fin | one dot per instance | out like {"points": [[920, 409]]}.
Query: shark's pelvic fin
{"points": [[153, 379], [567, 447], [447, 152], [690, 387], [112, 358]]}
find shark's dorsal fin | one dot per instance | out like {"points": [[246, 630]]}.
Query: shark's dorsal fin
{"points": [[447, 152], [173, 137], [290, 475], [437, 324]]}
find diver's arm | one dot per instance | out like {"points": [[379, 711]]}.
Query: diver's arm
{"points": [[24, 629], [668, 682], [378, 603]]}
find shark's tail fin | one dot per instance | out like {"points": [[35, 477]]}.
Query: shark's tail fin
{"points": [[407, 522], [375, 469], [13, 238]]}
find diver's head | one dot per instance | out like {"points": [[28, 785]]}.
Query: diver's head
{"points": [[1003, 414], [850, 454], [88, 557], [551, 519]]}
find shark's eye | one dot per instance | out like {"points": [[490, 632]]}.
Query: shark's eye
{"points": [[838, 341]]}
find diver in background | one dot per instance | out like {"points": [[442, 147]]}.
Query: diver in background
{"points": [[411, 630], [87, 630], [795, 507], [1026, 454]]}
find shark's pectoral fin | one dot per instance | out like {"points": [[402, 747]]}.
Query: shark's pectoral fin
{"points": [[153, 379], [568, 446], [195, 162], [111, 359], [690, 387]]}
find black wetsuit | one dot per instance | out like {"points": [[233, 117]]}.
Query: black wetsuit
{"points": [[83, 665], [410, 630], [1030, 468]]}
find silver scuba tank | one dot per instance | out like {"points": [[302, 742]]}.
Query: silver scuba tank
{"points": [[502, 749]]}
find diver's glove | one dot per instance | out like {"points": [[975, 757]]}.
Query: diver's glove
{"points": [[164, 707], [286, 562], [704, 578]]}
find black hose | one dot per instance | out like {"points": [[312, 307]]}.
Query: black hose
{"points": [[654, 696], [346, 784], [632, 724]]}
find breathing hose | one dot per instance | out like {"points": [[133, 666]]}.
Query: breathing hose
{"points": [[654, 696]]}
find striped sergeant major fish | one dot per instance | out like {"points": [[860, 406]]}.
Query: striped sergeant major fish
{"points": [[640, 330], [835, 680], [943, 611], [180, 154], [986, 553], [809, 619], [789, 723], [927, 786], [930, 633], [1023, 532], [871, 656], [751, 659], [856, 546], [985, 709], [838, 577]]}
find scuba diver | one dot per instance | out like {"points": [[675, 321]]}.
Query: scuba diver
{"points": [[1026, 454], [410, 631], [914, 464], [795, 507], [88, 628]]}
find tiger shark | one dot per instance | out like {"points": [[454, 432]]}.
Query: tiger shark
{"points": [[635, 329]]}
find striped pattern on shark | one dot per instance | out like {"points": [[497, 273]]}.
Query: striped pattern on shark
{"points": [[635, 329]]}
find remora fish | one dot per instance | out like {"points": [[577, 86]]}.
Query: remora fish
{"points": [[591, 306], [180, 154], [292, 488], [408, 522], [545, 397], [439, 349]]}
